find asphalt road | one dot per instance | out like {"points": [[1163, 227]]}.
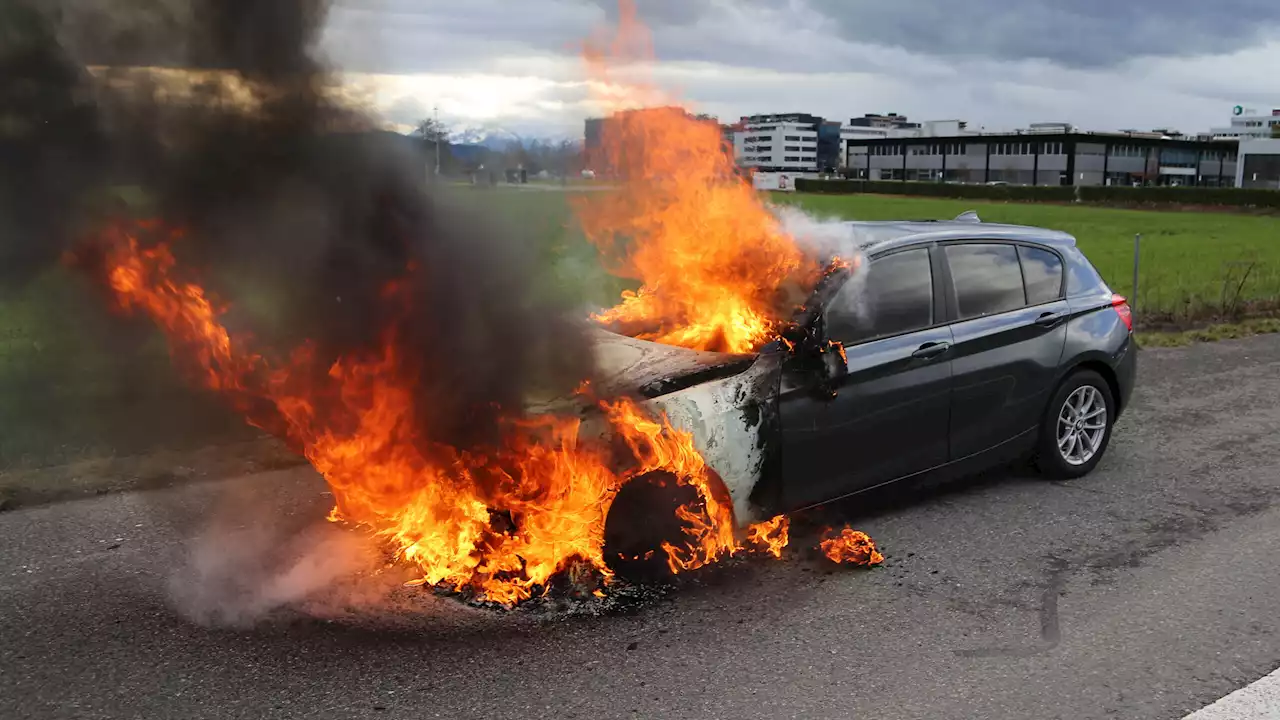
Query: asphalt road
{"points": [[1146, 590]]}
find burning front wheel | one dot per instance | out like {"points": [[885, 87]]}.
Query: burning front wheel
{"points": [[642, 518]]}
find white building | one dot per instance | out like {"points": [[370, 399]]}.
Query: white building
{"points": [[778, 143], [1247, 123], [1259, 164]]}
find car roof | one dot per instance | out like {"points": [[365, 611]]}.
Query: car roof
{"points": [[878, 236]]}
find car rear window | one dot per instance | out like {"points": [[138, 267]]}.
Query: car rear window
{"points": [[1042, 272], [987, 278], [1082, 277]]}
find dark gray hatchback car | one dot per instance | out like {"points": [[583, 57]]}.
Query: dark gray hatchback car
{"points": [[966, 345], [957, 346]]}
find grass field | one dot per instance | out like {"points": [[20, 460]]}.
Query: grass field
{"points": [[68, 393]]}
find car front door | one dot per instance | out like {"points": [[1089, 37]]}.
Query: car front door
{"points": [[888, 416], [1009, 337]]}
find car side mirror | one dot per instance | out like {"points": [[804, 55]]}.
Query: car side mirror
{"points": [[820, 360]]}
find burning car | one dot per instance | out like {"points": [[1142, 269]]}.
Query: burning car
{"points": [[959, 346]]}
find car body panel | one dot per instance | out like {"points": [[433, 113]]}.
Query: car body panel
{"points": [[1005, 368], [733, 423], [888, 417]]}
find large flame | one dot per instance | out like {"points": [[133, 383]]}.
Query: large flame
{"points": [[502, 523], [716, 267], [499, 524]]}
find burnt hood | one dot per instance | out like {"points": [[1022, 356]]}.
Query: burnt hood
{"points": [[626, 364]]}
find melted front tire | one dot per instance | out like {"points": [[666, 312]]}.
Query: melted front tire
{"points": [[643, 517]]}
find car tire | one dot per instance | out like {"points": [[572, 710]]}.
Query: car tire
{"points": [[1076, 428], [642, 517]]}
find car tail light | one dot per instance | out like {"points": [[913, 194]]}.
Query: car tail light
{"points": [[1122, 309]]}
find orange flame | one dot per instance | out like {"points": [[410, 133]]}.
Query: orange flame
{"points": [[715, 266], [851, 547], [500, 525], [771, 535]]}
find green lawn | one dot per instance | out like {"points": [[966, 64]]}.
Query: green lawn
{"points": [[1188, 261]]}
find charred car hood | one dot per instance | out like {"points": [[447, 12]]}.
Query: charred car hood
{"points": [[627, 365]]}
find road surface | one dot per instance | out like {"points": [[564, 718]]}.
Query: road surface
{"points": [[1147, 590]]}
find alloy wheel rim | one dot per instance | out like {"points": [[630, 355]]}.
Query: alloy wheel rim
{"points": [[1082, 423]]}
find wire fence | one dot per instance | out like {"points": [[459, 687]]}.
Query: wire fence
{"points": [[1171, 288]]}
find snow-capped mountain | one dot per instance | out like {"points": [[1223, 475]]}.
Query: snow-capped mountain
{"points": [[495, 138]]}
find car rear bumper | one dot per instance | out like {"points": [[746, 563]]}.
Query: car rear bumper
{"points": [[1126, 369]]}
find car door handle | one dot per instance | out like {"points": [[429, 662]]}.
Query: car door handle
{"points": [[1049, 319], [931, 350]]}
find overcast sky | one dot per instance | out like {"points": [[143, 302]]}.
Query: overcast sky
{"points": [[999, 64]]}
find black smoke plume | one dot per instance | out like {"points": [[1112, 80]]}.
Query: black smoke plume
{"points": [[282, 194]]}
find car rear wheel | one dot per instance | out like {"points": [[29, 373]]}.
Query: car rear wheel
{"points": [[1076, 428]]}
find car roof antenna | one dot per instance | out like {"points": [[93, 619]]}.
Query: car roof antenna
{"points": [[968, 216]]}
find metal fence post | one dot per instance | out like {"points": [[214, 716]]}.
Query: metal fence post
{"points": [[1137, 251]]}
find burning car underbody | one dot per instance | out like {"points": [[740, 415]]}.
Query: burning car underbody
{"points": [[463, 443]]}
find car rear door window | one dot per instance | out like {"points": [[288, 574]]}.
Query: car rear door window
{"points": [[987, 278], [1042, 271], [893, 296]]}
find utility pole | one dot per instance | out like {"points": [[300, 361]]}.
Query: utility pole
{"points": [[439, 135]]}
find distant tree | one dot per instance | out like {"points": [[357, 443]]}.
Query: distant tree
{"points": [[431, 130]]}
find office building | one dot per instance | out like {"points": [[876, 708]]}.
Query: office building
{"points": [[781, 143], [1248, 124], [1047, 156], [888, 121]]}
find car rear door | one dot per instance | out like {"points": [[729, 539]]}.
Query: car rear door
{"points": [[889, 414], [1009, 336]]}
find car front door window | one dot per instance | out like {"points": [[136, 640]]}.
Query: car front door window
{"points": [[894, 296]]}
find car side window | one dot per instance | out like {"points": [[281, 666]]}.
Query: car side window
{"points": [[1042, 271], [893, 295], [987, 279]]}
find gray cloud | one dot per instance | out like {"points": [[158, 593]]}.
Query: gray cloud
{"points": [[1078, 33], [1000, 64], [407, 36]]}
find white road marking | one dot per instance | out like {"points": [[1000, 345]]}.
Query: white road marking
{"points": [[1257, 701]]}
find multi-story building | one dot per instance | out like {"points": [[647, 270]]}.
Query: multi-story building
{"points": [[888, 121], [1045, 157], [871, 127], [780, 143], [1247, 123]]}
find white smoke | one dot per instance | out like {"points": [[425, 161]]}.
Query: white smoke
{"points": [[246, 564], [827, 238]]}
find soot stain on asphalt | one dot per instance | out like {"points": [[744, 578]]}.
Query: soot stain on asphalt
{"points": [[1197, 520], [1052, 588]]}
